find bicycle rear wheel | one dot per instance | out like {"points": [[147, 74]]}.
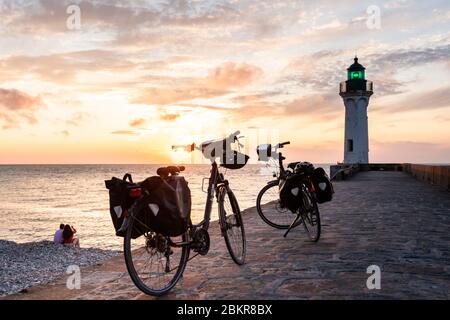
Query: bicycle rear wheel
{"points": [[153, 264], [232, 225], [269, 209]]}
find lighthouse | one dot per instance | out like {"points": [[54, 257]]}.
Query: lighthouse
{"points": [[356, 92]]}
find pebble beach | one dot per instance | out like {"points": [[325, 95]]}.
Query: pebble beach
{"points": [[29, 264]]}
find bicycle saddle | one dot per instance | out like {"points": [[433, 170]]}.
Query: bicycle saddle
{"points": [[292, 165], [302, 166], [172, 170]]}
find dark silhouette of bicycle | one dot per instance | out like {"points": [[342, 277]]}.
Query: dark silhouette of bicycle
{"points": [[155, 262], [268, 204]]}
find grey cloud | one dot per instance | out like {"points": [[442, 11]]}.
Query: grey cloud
{"points": [[429, 100], [324, 70]]}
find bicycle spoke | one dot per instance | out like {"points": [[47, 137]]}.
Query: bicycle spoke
{"points": [[150, 269]]}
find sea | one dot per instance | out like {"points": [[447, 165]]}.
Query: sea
{"points": [[35, 199]]}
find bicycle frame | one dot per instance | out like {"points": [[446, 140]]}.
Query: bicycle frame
{"points": [[216, 179], [283, 171]]}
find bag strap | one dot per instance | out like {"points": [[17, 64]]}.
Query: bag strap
{"points": [[127, 175]]}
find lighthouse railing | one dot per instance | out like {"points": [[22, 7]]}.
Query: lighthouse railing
{"points": [[343, 87]]}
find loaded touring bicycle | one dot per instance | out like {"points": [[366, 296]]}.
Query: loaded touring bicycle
{"points": [[293, 197], [153, 216]]}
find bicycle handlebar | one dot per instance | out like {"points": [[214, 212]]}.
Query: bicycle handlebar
{"points": [[234, 135], [187, 148], [281, 145], [191, 147]]}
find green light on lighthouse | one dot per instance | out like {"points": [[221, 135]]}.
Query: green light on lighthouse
{"points": [[356, 75]]}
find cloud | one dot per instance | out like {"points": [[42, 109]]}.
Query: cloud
{"points": [[77, 118], [16, 100], [232, 75], [407, 151], [17, 106], [63, 68], [319, 71], [404, 58], [124, 132], [138, 122], [219, 81], [314, 107], [323, 70], [164, 96], [249, 98], [169, 116], [429, 100], [50, 15], [118, 16]]}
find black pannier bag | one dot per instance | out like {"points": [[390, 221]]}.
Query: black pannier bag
{"points": [[323, 186], [290, 190], [167, 207], [119, 199]]}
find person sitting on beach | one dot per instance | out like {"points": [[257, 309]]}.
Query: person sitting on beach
{"points": [[58, 238], [69, 236]]}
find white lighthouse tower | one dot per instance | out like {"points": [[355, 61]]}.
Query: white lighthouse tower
{"points": [[356, 92]]}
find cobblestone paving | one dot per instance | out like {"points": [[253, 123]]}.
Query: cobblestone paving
{"points": [[377, 218]]}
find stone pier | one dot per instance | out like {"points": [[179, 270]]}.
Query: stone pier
{"points": [[388, 219]]}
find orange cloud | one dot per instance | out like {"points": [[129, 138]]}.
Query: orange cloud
{"points": [[16, 106], [138, 122], [232, 75], [169, 116], [124, 132], [220, 81], [163, 96], [13, 99]]}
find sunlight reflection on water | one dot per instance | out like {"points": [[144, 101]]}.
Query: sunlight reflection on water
{"points": [[37, 198]]}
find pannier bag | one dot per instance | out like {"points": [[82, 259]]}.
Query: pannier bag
{"points": [[291, 195], [323, 186], [290, 187], [167, 207], [119, 199]]}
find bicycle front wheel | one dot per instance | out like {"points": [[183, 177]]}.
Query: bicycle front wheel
{"points": [[154, 265], [311, 219], [232, 225], [270, 210]]}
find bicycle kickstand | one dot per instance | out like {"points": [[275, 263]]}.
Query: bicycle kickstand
{"points": [[292, 224]]}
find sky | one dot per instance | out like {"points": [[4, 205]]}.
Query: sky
{"points": [[122, 81]]}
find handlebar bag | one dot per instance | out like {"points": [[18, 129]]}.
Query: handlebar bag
{"points": [[264, 152], [166, 209], [234, 160]]}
